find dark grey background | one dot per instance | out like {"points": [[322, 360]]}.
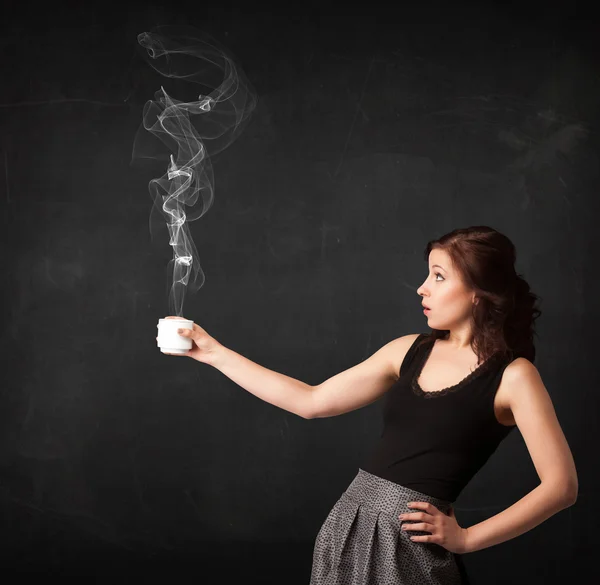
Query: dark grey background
{"points": [[378, 127]]}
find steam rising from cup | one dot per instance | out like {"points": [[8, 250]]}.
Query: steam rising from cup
{"points": [[194, 131]]}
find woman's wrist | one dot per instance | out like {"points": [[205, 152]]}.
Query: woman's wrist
{"points": [[217, 355]]}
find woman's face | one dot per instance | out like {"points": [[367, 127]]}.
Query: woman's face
{"points": [[445, 294]]}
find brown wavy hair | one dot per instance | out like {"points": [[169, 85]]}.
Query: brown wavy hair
{"points": [[502, 320]]}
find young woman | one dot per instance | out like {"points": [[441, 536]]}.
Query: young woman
{"points": [[451, 397]]}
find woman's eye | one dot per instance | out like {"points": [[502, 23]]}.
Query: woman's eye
{"points": [[438, 274]]}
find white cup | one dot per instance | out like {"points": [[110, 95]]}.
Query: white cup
{"points": [[169, 340]]}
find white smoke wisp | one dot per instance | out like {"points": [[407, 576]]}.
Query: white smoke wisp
{"points": [[194, 131]]}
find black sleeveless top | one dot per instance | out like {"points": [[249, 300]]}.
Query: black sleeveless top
{"points": [[435, 442]]}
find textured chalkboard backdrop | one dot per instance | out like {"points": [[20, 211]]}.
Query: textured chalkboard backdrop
{"points": [[377, 128]]}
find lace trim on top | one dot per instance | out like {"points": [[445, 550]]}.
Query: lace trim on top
{"points": [[435, 393]]}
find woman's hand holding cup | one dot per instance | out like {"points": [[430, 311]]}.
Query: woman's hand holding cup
{"points": [[204, 347]]}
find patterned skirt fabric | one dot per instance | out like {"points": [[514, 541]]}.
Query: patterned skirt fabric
{"points": [[361, 543]]}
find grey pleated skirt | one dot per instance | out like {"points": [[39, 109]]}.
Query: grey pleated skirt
{"points": [[361, 543]]}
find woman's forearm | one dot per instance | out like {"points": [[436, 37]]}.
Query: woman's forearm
{"points": [[534, 508], [272, 387]]}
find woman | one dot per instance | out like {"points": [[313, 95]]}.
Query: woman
{"points": [[451, 397]]}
